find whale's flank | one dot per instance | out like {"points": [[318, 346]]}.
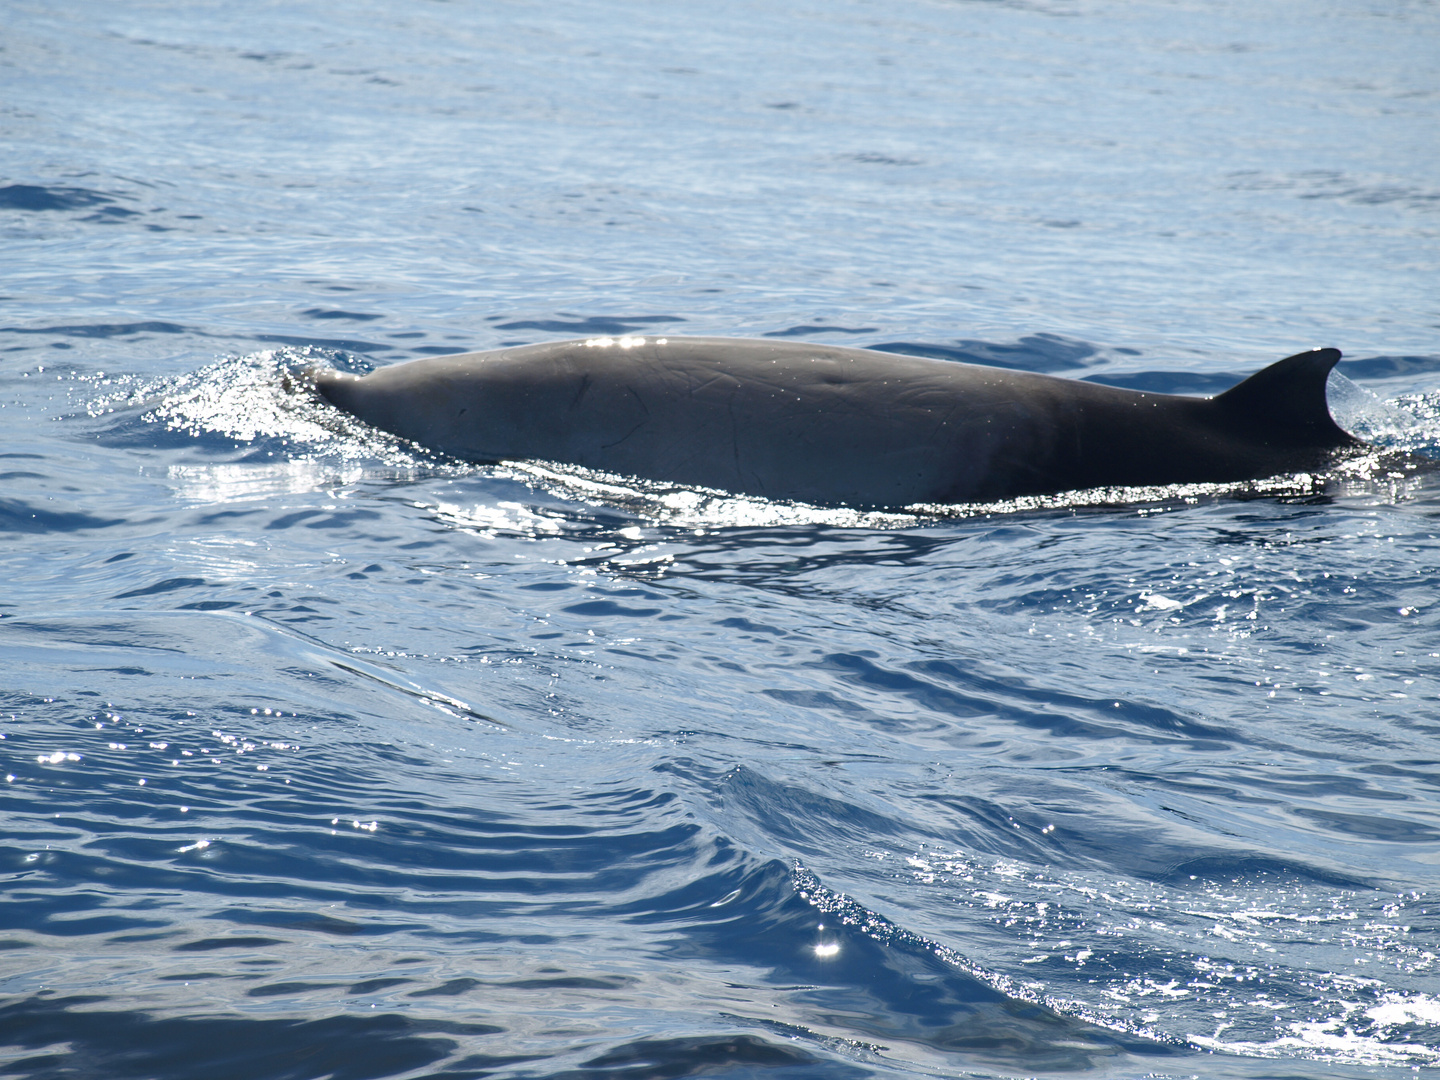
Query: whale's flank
{"points": [[833, 425]]}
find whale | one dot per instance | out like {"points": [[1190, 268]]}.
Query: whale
{"points": [[837, 426]]}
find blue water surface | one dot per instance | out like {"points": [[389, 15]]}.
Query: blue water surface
{"points": [[326, 757]]}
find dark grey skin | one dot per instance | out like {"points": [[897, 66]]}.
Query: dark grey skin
{"points": [[835, 426]]}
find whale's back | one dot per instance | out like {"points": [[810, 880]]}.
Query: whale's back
{"points": [[835, 425]]}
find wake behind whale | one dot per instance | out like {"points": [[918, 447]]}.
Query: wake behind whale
{"points": [[830, 425]]}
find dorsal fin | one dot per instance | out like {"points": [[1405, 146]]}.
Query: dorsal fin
{"points": [[1288, 399]]}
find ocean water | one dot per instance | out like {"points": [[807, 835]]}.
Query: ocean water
{"points": [[324, 757]]}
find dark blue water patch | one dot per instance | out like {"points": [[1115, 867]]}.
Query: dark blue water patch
{"points": [[17, 516], [1389, 367], [131, 1044], [1318, 184], [587, 327], [113, 215], [35, 197], [572, 982], [452, 988], [127, 1043], [308, 922], [881, 159], [1390, 830], [168, 585], [23, 914], [291, 989], [1012, 821], [610, 609], [818, 328], [327, 520], [1036, 352], [946, 688], [353, 316], [748, 628], [1246, 868], [796, 812], [105, 330], [213, 944]]}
